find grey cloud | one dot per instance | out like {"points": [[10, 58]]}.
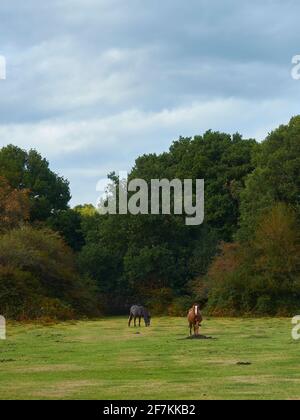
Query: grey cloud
{"points": [[94, 83]]}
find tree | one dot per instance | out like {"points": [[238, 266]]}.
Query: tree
{"points": [[134, 258], [222, 160], [276, 177], [14, 206], [277, 247], [86, 210], [38, 260], [260, 276], [69, 224], [28, 170]]}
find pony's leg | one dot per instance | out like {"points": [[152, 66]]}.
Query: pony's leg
{"points": [[130, 319], [135, 321], [140, 321], [190, 328]]}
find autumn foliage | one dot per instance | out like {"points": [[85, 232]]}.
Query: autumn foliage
{"points": [[243, 260], [14, 206], [260, 276]]}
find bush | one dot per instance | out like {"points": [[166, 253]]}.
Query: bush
{"points": [[260, 277], [55, 309], [38, 277], [19, 293], [264, 306], [159, 301], [180, 306]]}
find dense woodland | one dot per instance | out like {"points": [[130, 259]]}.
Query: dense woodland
{"points": [[58, 262]]}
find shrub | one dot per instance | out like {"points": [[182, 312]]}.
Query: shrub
{"points": [[264, 306], [180, 306], [260, 277], [159, 301], [38, 277]]}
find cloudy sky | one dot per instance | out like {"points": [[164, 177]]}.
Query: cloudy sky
{"points": [[92, 84]]}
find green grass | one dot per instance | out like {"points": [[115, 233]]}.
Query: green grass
{"points": [[105, 359]]}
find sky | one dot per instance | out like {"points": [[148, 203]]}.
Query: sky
{"points": [[93, 84]]}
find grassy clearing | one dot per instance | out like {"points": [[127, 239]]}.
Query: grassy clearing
{"points": [[104, 359]]}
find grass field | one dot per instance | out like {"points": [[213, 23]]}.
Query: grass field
{"points": [[105, 359]]}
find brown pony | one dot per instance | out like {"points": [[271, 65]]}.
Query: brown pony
{"points": [[194, 319]]}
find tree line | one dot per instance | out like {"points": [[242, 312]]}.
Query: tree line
{"points": [[59, 262]]}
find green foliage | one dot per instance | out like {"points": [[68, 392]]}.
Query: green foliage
{"points": [[86, 210], [19, 293], [251, 195], [28, 170], [261, 276], [222, 160], [38, 271], [139, 258], [276, 177], [22, 297], [179, 306], [159, 300], [69, 224]]}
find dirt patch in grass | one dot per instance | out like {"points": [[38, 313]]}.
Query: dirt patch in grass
{"points": [[199, 337], [224, 362], [64, 389], [252, 379], [50, 368]]}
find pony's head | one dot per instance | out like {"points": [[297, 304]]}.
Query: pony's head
{"points": [[196, 308], [147, 318]]}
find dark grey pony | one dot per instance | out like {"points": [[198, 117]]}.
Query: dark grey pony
{"points": [[138, 311]]}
